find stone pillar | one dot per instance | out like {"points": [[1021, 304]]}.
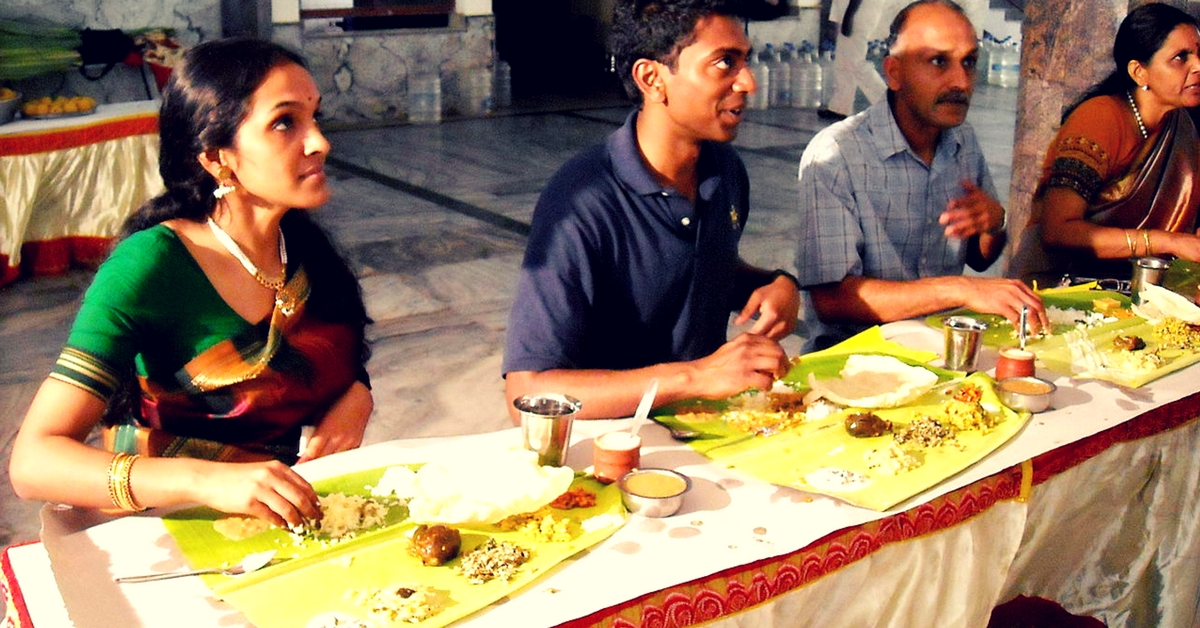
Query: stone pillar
{"points": [[1066, 48]]}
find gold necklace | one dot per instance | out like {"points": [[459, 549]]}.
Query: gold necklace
{"points": [[232, 246]]}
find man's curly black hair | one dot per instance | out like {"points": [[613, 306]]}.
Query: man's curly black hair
{"points": [[658, 30]]}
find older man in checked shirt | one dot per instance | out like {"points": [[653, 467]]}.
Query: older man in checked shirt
{"points": [[896, 200]]}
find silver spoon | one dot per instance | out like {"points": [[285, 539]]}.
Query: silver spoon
{"points": [[681, 434], [251, 563], [1024, 321]]}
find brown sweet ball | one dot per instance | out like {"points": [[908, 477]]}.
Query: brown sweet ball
{"points": [[435, 544]]}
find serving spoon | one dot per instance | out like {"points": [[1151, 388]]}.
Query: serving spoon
{"points": [[643, 409], [252, 562]]}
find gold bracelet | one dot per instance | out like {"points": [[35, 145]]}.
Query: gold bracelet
{"points": [[119, 490], [1146, 237], [1129, 241]]}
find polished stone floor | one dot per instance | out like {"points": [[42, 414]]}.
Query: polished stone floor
{"points": [[434, 218]]}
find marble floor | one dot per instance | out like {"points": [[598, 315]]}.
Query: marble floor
{"points": [[435, 218]]}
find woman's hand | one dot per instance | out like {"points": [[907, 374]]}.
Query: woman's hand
{"points": [[1180, 244], [343, 426], [271, 491]]}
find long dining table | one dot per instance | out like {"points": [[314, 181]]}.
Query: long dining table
{"points": [[1093, 505]]}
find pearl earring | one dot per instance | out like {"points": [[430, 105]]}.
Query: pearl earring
{"points": [[1145, 88], [224, 183]]}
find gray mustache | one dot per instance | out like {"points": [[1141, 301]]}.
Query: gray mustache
{"points": [[955, 97]]}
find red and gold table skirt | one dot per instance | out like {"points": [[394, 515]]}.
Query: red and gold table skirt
{"points": [[69, 184]]}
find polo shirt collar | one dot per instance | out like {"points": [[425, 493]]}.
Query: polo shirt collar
{"points": [[627, 159], [632, 171], [890, 141]]}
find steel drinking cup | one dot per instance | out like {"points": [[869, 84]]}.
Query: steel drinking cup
{"points": [[546, 425], [1146, 270], [963, 337]]}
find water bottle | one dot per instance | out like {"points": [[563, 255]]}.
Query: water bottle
{"points": [[1010, 64], [425, 99], [761, 97], [481, 95], [876, 51], [995, 60], [781, 80], [502, 92], [800, 87], [809, 88], [985, 53], [825, 61]]}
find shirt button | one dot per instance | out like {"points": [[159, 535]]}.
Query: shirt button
{"points": [[686, 221], [665, 194]]}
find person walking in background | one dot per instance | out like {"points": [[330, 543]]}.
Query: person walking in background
{"points": [[852, 72]]}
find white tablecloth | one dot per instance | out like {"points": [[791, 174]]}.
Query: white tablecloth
{"points": [[927, 563]]}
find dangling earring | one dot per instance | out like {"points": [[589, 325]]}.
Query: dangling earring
{"points": [[224, 182]]}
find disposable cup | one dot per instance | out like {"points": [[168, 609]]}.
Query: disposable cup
{"points": [[546, 425], [963, 336], [1014, 362], [614, 454]]}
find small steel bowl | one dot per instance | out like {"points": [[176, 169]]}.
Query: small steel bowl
{"points": [[1026, 393], [8, 108], [654, 492]]}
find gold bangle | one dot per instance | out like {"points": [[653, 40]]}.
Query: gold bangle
{"points": [[119, 490], [1146, 237], [1129, 241]]}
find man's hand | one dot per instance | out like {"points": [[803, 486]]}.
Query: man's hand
{"points": [[971, 214], [777, 305], [748, 361], [993, 295]]}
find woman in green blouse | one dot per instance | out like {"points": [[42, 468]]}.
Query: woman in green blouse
{"points": [[223, 322]]}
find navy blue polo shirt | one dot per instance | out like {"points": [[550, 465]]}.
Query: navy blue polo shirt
{"points": [[621, 272]]}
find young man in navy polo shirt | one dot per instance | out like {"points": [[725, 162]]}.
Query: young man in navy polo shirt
{"points": [[632, 267]]}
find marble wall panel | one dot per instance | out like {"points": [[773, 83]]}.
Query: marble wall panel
{"points": [[364, 76]]}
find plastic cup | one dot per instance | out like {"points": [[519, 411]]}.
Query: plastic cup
{"points": [[963, 336], [1146, 270], [614, 454], [546, 425], [1014, 362]]}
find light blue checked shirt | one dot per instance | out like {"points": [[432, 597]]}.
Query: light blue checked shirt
{"points": [[869, 207]]}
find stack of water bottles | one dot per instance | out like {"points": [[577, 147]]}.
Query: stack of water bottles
{"points": [[787, 76], [1003, 60]]}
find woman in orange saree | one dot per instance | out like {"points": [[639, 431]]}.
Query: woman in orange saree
{"points": [[1120, 179]]}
